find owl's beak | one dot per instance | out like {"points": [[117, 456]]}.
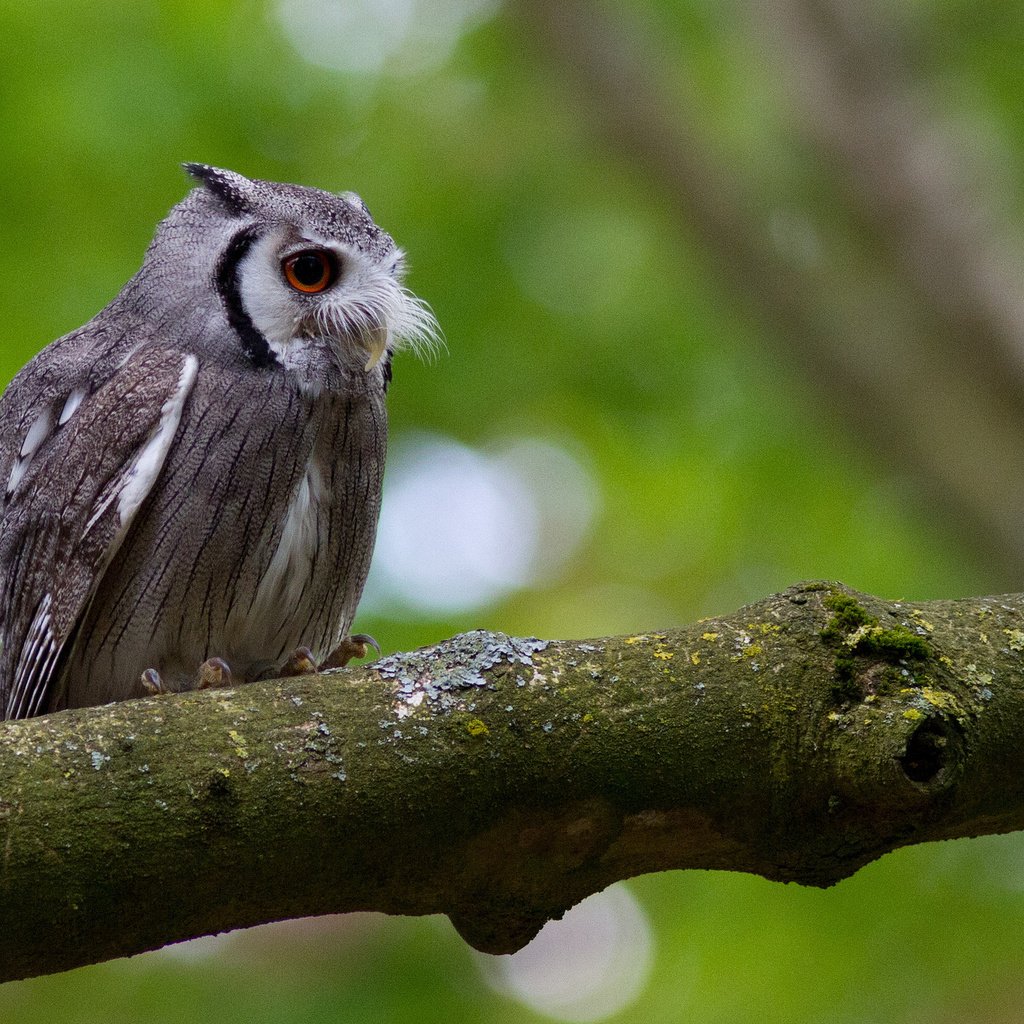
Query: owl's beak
{"points": [[375, 341]]}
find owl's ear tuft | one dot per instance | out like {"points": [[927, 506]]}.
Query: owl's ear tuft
{"points": [[232, 188]]}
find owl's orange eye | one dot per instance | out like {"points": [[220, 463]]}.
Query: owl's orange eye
{"points": [[310, 271]]}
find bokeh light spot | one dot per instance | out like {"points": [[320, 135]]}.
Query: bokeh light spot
{"points": [[589, 965], [460, 528], [399, 37]]}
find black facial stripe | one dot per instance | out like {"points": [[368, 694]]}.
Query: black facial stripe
{"points": [[253, 342]]}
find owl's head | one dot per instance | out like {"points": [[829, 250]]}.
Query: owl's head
{"points": [[305, 278]]}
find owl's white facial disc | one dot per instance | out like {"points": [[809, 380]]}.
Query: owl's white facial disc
{"points": [[355, 315]]}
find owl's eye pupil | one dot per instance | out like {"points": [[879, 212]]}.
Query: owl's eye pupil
{"points": [[309, 271]]}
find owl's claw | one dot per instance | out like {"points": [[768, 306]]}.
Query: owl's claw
{"points": [[350, 647], [300, 663], [214, 672], [152, 683]]}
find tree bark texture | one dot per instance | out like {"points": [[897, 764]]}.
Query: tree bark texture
{"points": [[501, 780]]}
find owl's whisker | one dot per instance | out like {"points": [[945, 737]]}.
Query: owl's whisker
{"points": [[386, 317]]}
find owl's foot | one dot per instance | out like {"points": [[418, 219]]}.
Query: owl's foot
{"points": [[350, 647], [214, 672], [152, 683], [300, 663]]}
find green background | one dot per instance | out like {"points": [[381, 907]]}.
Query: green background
{"points": [[577, 311]]}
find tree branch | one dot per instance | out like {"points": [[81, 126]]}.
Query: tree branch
{"points": [[501, 780]]}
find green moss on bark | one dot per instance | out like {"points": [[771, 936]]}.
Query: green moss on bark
{"points": [[861, 644]]}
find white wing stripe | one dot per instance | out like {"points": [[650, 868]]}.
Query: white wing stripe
{"points": [[71, 404], [38, 648], [42, 427], [150, 460], [37, 433], [101, 507], [40, 685], [37, 633]]}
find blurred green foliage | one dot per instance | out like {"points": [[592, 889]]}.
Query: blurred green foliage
{"points": [[574, 311]]}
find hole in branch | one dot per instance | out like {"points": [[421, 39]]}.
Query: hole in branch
{"points": [[928, 751]]}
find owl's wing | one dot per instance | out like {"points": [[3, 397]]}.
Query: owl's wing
{"points": [[85, 466]]}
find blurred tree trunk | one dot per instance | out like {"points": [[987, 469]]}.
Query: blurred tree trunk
{"points": [[901, 297], [501, 780]]}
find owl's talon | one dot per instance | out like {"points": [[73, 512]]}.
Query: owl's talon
{"points": [[300, 663], [214, 672], [366, 641], [350, 647], [152, 683]]}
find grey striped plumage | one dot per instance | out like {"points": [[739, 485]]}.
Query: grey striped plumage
{"points": [[196, 472]]}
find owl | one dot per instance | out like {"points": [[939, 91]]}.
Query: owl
{"points": [[192, 479]]}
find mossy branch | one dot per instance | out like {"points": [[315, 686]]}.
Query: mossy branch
{"points": [[501, 780]]}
